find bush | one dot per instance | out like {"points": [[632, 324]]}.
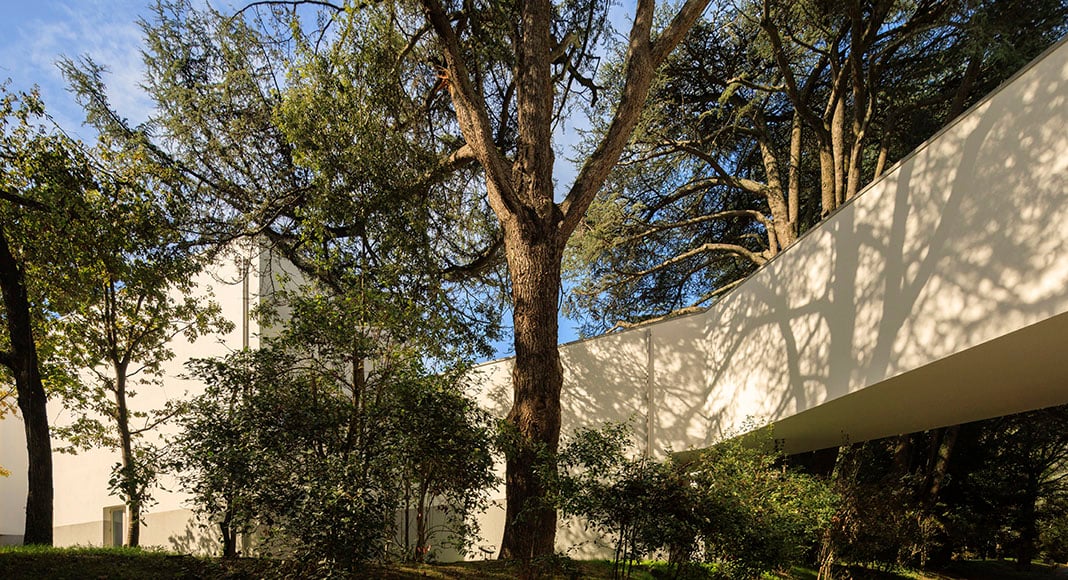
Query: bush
{"points": [[281, 447], [755, 516], [1053, 532], [731, 505]]}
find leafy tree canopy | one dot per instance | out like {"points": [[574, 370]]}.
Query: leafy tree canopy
{"points": [[769, 116]]}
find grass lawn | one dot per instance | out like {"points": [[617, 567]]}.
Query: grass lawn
{"points": [[963, 570], [127, 563]]}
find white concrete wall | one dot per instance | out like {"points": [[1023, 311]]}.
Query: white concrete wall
{"points": [[80, 481], [13, 487], [961, 244]]}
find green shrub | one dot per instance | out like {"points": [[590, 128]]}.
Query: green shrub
{"points": [[731, 505], [288, 447], [1053, 531]]}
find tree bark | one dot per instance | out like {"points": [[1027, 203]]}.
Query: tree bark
{"points": [[31, 398], [794, 176], [229, 536], [422, 541], [838, 147], [827, 199], [940, 469], [827, 555], [530, 524], [129, 469]]}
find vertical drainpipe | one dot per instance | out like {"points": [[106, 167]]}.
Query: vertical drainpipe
{"points": [[244, 303], [650, 401]]}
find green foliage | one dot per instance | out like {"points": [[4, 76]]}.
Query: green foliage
{"points": [[48, 198], [1053, 532], [321, 136], [137, 295], [913, 501], [763, 517], [49, 203], [881, 520], [1012, 482], [317, 439], [732, 505], [710, 186]]}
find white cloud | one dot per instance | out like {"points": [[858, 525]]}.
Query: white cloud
{"points": [[107, 32]]}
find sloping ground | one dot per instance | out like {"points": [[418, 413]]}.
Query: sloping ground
{"points": [[123, 564], [998, 570], [132, 564]]}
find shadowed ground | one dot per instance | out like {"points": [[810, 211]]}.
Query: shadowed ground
{"points": [[125, 563]]}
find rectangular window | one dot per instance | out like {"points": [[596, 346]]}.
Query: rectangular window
{"points": [[114, 518]]}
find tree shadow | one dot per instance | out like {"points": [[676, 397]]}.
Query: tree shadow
{"points": [[958, 249], [195, 539], [960, 244]]}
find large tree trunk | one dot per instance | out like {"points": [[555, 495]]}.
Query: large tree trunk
{"points": [[22, 360], [530, 525], [536, 228]]}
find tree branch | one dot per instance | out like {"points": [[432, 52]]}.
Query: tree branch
{"points": [[754, 85], [19, 200], [790, 82], [746, 253], [321, 3], [643, 58], [659, 227], [739, 182], [472, 115], [697, 306], [485, 259]]}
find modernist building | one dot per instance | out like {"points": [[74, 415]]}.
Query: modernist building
{"points": [[938, 296]]}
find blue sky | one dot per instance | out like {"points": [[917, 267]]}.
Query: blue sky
{"points": [[34, 34]]}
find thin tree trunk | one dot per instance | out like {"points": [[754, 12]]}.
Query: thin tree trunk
{"points": [[827, 198], [1026, 549], [960, 97], [129, 468], [408, 517], [855, 166], [794, 176], [779, 232], [841, 477], [838, 147], [228, 535], [420, 524], [902, 450], [941, 464], [880, 164], [22, 360]]}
